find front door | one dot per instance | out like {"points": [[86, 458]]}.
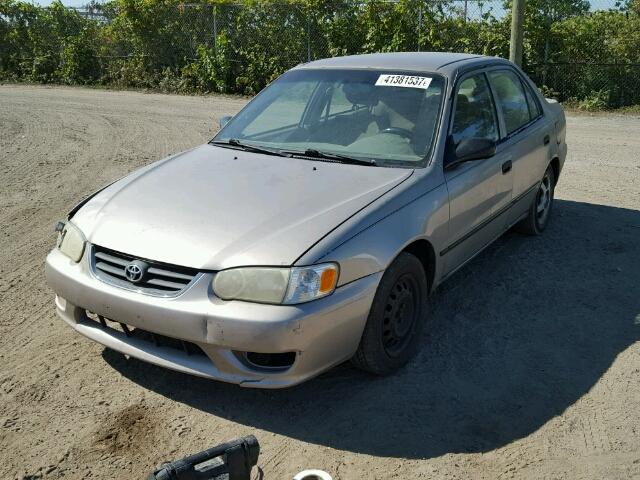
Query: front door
{"points": [[479, 190]]}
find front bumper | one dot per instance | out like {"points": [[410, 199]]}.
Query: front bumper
{"points": [[323, 333]]}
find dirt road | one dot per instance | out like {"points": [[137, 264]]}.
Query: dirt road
{"points": [[530, 367]]}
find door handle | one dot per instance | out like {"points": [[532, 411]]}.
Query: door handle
{"points": [[546, 139], [506, 167]]}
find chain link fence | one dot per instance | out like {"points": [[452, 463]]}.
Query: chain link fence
{"points": [[587, 51]]}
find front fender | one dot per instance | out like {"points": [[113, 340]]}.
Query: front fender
{"points": [[372, 248]]}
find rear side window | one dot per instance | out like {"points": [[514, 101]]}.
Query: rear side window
{"points": [[534, 106], [511, 99], [475, 114]]}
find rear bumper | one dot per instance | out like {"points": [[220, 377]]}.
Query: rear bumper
{"points": [[323, 333]]}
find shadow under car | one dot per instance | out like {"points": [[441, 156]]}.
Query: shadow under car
{"points": [[513, 339]]}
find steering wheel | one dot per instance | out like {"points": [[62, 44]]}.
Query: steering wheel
{"points": [[403, 132]]}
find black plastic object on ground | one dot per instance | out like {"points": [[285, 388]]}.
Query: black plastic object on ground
{"points": [[232, 460]]}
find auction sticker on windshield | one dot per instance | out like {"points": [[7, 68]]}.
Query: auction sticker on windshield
{"points": [[409, 81]]}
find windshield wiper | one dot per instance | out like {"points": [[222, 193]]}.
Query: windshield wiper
{"points": [[313, 153], [234, 142]]}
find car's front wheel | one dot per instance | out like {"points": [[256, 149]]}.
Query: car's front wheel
{"points": [[540, 210], [393, 328]]}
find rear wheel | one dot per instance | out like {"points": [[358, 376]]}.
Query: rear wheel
{"points": [[392, 331], [540, 210]]}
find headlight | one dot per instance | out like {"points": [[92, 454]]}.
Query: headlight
{"points": [[276, 285], [70, 241], [309, 283]]}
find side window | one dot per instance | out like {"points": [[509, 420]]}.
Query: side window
{"points": [[534, 107], [511, 99], [475, 113]]}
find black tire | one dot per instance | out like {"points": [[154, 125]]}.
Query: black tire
{"points": [[541, 207], [393, 328]]}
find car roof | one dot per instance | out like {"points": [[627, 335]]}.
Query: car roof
{"points": [[442, 62]]}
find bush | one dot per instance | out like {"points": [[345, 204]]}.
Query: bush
{"points": [[212, 46], [211, 71], [79, 60], [129, 72], [594, 102]]}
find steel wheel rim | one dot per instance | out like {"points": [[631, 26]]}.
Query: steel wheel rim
{"points": [[543, 199], [400, 312]]}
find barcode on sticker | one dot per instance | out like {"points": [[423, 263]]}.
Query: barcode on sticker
{"points": [[409, 81]]}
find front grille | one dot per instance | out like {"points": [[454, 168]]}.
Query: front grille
{"points": [[158, 279]]}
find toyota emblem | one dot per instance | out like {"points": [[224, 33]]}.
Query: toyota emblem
{"points": [[135, 270]]}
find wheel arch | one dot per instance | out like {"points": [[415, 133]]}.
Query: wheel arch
{"points": [[424, 251], [555, 164]]}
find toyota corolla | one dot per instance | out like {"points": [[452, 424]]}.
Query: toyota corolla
{"points": [[313, 227]]}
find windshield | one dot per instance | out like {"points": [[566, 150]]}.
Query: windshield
{"points": [[388, 117]]}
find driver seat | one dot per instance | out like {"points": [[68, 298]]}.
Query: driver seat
{"points": [[388, 114]]}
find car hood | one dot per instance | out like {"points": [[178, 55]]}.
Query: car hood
{"points": [[213, 208]]}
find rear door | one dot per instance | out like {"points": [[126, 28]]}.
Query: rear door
{"points": [[525, 133], [480, 190]]}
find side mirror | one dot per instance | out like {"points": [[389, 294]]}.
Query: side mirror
{"points": [[474, 148], [222, 121]]}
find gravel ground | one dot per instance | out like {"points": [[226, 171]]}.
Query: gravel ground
{"points": [[530, 368]]}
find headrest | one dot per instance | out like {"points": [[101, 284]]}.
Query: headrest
{"points": [[361, 93], [462, 100]]}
